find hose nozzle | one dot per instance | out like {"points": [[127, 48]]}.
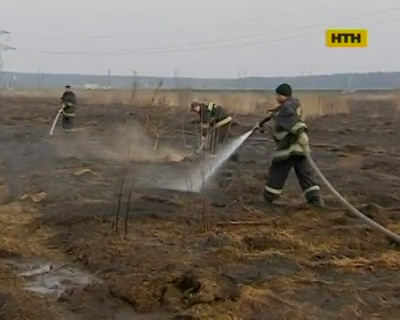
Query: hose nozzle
{"points": [[256, 127]]}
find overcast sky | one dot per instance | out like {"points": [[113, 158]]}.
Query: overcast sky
{"points": [[201, 38]]}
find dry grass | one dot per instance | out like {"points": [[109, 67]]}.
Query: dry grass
{"points": [[389, 260], [316, 103], [14, 220], [19, 238], [285, 266]]}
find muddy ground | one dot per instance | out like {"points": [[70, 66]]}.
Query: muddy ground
{"points": [[217, 255]]}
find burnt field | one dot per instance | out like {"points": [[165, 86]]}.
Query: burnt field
{"points": [[221, 254]]}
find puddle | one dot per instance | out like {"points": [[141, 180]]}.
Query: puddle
{"points": [[52, 280], [48, 279]]}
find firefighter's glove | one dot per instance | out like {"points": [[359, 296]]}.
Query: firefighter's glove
{"points": [[304, 142], [257, 126]]}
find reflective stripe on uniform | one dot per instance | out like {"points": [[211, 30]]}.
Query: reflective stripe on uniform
{"points": [[280, 135], [205, 125], [299, 125], [283, 154], [299, 112], [223, 122], [67, 114], [211, 106], [313, 188], [272, 190]]}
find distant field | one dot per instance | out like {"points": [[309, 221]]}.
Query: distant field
{"points": [[316, 103]]}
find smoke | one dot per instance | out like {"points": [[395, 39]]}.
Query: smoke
{"points": [[201, 174], [114, 145]]}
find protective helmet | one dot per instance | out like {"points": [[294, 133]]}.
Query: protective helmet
{"points": [[284, 90]]}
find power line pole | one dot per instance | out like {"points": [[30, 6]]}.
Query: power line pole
{"points": [[109, 80], [39, 77], [241, 80], [134, 85], [176, 76], [349, 82], [3, 48]]}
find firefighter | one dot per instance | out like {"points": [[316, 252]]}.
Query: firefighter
{"points": [[289, 132], [68, 101], [215, 123]]}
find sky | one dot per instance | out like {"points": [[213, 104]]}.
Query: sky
{"points": [[200, 38]]}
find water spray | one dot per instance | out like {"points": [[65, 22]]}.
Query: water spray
{"points": [[227, 151], [225, 154], [198, 177]]}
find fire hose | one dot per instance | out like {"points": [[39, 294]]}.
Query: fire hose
{"points": [[53, 126], [303, 141], [347, 204]]}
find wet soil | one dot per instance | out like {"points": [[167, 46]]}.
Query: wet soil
{"points": [[222, 254]]}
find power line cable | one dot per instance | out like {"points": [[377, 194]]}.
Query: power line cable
{"points": [[259, 34], [174, 49], [183, 30]]}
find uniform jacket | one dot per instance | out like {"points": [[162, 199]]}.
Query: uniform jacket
{"points": [[212, 115], [69, 100], [287, 124]]}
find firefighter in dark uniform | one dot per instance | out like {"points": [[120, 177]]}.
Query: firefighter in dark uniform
{"points": [[289, 132], [215, 123], [68, 101]]}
